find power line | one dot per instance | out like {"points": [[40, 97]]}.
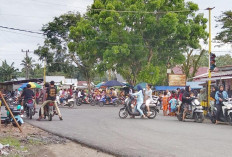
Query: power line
{"points": [[21, 34], [22, 30], [145, 12]]}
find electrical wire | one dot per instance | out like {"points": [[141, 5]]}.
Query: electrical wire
{"points": [[22, 30]]}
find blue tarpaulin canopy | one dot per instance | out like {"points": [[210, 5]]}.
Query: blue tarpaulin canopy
{"points": [[194, 85], [170, 88]]}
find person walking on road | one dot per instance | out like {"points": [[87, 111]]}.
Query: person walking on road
{"points": [[165, 104]]}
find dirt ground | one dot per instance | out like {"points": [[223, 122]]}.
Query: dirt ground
{"points": [[38, 143]]}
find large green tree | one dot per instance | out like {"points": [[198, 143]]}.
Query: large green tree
{"points": [[8, 72], [28, 65], [55, 49], [137, 33], [83, 48]]}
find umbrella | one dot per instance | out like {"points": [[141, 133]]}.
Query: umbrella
{"points": [[33, 85], [142, 84], [20, 89], [99, 85], [112, 83]]}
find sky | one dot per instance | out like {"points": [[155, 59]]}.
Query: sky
{"points": [[33, 14]]}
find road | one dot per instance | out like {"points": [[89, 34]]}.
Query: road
{"points": [[101, 128]]}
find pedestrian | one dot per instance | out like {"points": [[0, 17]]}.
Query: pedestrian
{"points": [[212, 98], [220, 96], [37, 96], [165, 104], [173, 103]]}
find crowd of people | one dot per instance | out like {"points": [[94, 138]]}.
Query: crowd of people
{"points": [[170, 101]]}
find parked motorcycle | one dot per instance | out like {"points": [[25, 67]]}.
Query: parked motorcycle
{"points": [[127, 109], [66, 102], [115, 101], [226, 115], [195, 111], [17, 115]]}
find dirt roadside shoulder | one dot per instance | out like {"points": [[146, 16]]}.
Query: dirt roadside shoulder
{"points": [[38, 143]]}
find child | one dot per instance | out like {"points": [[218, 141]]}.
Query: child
{"points": [[173, 103], [165, 104]]}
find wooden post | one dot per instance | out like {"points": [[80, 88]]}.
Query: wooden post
{"points": [[10, 112]]}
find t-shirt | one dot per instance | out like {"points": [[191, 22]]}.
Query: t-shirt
{"points": [[51, 91], [27, 94], [165, 101], [173, 103], [148, 94]]}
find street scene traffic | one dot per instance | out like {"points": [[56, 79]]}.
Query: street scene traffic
{"points": [[116, 78]]}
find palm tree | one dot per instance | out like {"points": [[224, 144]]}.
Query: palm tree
{"points": [[28, 65], [8, 72]]}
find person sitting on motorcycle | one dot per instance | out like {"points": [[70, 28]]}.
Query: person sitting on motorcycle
{"points": [[50, 98], [27, 94], [139, 95], [148, 98], [186, 101], [220, 96], [112, 94], [97, 95]]}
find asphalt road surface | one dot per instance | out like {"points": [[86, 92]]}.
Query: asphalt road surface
{"points": [[101, 128]]}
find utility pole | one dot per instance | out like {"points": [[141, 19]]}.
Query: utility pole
{"points": [[209, 81], [44, 71], [27, 70]]}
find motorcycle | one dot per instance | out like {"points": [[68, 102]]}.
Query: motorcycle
{"points": [[226, 115], [30, 111], [115, 101], [127, 109], [195, 111], [96, 100], [66, 102], [48, 111], [17, 115], [81, 100]]}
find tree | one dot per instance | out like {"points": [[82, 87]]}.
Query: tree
{"points": [[28, 64], [223, 60], [55, 49], [225, 36], [191, 65], [83, 48], [8, 72], [134, 37]]}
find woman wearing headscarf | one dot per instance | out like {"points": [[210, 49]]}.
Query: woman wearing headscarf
{"points": [[139, 95], [220, 96], [186, 100], [212, 97]]}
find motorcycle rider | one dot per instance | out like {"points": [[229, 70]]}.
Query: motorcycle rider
{"points": [[27, 94], [51, 97], [220, 96], [186, 101], [139, 95]]}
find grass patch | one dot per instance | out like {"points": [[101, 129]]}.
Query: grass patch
{"points": [[11, 141], [34, 142]]}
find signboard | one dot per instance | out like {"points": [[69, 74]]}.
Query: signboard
{"points": [[177, 80]]}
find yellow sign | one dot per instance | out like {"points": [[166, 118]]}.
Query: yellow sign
{"points": [[177, 80]]}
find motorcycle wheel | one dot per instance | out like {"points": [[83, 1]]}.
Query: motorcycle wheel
{"points": [[230, 118], [123, 113], [92, 103], [199, 117], [78, 102], [213, 119], [116, 103], [50, 117], [30, 113], [180, 117], [14, 124], [101, 104], [71, 104], [153, 114]]}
